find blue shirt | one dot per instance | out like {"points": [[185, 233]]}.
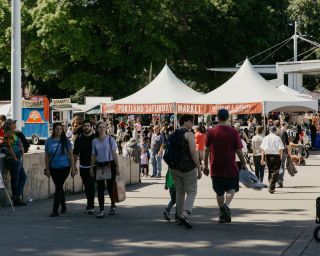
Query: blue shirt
{"points": [[61, 159], [103, 149]]}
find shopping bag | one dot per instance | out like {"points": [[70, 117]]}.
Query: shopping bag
{"points": [[290, 166], [118, 190], [250, 180]]}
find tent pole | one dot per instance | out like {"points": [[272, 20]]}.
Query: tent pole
{"points": [[175, 120], [264, 119]]}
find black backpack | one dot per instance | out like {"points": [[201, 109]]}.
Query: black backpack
{"points": [[24, 141], [173, 155]]}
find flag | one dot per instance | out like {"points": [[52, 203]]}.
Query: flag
{"points": [[1, 181]]}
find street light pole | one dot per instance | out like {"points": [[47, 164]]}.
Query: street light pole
{"points": [[16, 62]]}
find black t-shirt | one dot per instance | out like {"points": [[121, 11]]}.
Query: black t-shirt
{"points": [[83, 148]]}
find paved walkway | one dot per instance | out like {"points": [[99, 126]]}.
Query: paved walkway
{"points": [[262, 224]]}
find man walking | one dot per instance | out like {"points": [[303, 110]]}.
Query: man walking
{"points": [[187, 171], [272, 149], [83, 150], [282, 133], [223, 143], [157, 143]]}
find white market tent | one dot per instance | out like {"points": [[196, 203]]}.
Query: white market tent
{"points": [[288, 90], [248, 86], [5, 110], [165, 88], [160, 96]]}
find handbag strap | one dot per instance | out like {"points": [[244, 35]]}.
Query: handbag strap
{"points": [[110, 151], [55, 152]]}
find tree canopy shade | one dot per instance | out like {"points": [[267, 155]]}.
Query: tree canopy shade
{"points": [[107, 46]]}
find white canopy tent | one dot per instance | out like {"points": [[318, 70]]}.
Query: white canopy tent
{"points": [[288, 90], [5, 110], [159, 96], [247, 86]]}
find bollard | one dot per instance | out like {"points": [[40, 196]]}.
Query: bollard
{"points": [[316, 232]]}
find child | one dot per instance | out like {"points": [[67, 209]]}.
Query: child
{"points": [[144, 162], [172, 190]]}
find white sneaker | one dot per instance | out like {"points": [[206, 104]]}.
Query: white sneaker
{"points": [[100, 214]]}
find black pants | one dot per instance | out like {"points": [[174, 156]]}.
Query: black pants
{"points": [[119, 143], [273, 163], [259, 169], [59, 176], [101, 188], [89, 184]]}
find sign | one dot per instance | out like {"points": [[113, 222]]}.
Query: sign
{"points": [[33, 103], [194, 109], [137, 108], [241, 108], [59, 102], [34, 118]]}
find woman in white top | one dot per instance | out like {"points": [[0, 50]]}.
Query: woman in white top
{"points": [[104, 155], [256, 143]]}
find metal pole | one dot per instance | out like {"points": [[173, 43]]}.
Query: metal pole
{"points": [[16, 62], [295, 42]]}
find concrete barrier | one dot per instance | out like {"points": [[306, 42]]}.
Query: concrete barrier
{"points": [[39, 186]]}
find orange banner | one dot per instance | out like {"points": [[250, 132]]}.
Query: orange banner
{"points": [[137, 108], [195, 109], [240, 108]]}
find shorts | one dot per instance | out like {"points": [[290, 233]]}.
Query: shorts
{"points": [[222, 185]]}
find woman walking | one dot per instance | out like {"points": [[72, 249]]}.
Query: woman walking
{"points": [[59, 162], [105, 159]]}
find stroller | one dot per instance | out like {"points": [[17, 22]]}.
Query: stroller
{"points": [[316, 232]]}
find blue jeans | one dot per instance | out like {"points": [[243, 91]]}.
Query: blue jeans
{"points": [[156, 164], [18, 176], [173, 194]]}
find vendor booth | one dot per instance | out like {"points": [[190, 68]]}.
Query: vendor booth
{"points": [[247, 92], [158, 97]]}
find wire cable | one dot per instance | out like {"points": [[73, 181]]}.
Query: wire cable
{"points": [[285, 41]]}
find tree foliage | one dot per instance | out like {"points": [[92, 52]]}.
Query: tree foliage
{"points": [[106, 46]]}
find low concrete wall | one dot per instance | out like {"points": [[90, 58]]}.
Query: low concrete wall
{"points": [[39, 186]]}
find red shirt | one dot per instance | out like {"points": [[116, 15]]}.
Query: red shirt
{"points": [[200, 139], [1, 135], [223, 141]]}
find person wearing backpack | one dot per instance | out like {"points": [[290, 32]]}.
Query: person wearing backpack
{"points": [[183, 160], [14, 161]]}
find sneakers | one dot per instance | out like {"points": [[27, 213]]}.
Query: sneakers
{"points": [[112, 210], [100, 214], [166, 215], [90, 211], [185, 221], [225, 214], [18, 202], [271, 191], [280, 185], [54, 214]]}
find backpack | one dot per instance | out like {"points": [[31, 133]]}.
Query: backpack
{"points": [[24, 141], [173, 155]]}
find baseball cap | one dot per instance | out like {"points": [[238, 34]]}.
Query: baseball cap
{"points": [[8, 122], [223, 114]]}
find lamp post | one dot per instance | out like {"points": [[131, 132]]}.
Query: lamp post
{"points": [[16, 62]]}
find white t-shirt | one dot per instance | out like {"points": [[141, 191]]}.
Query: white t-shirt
{"points": [[144, 158], [271, 144]]}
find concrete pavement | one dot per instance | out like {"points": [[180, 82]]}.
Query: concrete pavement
{"points": [[262, 223]]}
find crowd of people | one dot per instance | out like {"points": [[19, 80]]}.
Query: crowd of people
{"points": [[189, 152]]}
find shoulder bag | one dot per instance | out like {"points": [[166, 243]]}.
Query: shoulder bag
{"points": [[104, 169]]}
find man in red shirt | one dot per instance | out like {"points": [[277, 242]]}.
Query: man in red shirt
{"points": [[2, 120], [223, 143]]}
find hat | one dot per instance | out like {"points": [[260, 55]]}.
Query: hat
{"points": [[8, 122], [272, 128], [223, 114]]}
